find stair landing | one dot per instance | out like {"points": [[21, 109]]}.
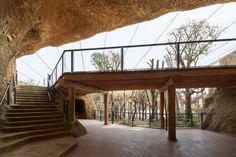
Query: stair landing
{"points": [[51, 148]]}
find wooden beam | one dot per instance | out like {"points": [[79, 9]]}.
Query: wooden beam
{"points": [[71, 105], [162, 109], [90, 82], [171, 113], [151, 74], [164, 87], [106, 109], [79, 86]]}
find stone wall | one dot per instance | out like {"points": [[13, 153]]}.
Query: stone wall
{"points": [[229, 59], [222, 108], [90, 106]]}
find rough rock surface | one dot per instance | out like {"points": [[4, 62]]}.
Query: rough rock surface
{"points": [[26, 26], [222, 106], [89, 106]]}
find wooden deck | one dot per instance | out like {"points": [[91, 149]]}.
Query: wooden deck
{"points": [[92, 82]]}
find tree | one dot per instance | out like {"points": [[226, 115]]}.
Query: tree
{"points": [[152, 94], [190, 53], [106, 62]]}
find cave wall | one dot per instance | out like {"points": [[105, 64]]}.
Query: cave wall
{"points": [[90, 106], [221, 107], [28, 25]]}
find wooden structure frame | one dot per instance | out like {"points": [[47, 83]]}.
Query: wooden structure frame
{"points": [[164, 80]]}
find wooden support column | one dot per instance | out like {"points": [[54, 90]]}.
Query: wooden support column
{"points": [[171, 113], [105, 108], [162, 110], [71, 106]]}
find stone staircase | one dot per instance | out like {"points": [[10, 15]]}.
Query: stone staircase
{"points": [[32, 118]]}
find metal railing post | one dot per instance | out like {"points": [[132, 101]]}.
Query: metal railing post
{"points": [[14, 89], [8, 94], [112, 117], [56, 74], [16, 78], [191, 116], [202, 127], [48, 81], [177, 54], [100, 115], [62, 60], [122, 59], [72, 61]]}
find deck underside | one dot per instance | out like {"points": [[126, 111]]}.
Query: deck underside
{"points": [[92, 82]]}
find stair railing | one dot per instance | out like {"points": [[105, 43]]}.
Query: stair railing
{"points": [[52, 94], [64, 103], [14, 87], [6, 95]]}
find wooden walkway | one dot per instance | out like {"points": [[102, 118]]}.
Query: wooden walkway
{"points": [[91, 82]]}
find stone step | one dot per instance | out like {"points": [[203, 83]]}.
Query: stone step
{"points": [[13, 136], [32, 106], [26, 90], [35, 103], [28, 95], [32, 122], [9, 114], [33, 94], [4, 147], [31, 88], [32, 100], [32, 110], [31, 127], [35, 117]]}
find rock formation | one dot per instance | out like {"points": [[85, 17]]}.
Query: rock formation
{"points": [[222, 108], [28, 25], [89, 106]]}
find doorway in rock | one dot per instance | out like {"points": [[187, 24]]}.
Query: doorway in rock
{"points": [[80, 111]]}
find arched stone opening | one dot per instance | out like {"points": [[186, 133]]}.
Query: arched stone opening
{"points": [[80, 110]]}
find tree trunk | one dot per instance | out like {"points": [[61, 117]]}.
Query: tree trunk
{"points": [[134, 113], [124, 106], [139, 111], [188, 109], [143, 111]]}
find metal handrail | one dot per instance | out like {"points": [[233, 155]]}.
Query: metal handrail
{"points": [[122, 49], [6, 94], [14, 86], [51, 93]]}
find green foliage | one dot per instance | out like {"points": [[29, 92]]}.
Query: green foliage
{"points": [[106, 62]]}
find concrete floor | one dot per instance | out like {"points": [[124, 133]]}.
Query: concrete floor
{"points": [[122, 141]]}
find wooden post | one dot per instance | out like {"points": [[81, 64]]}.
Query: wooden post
{"points": [[106, 109], [171, 113], [71, 105], [162, 109]]}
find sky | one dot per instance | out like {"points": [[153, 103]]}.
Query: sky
{"points": [[34, 68]]}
